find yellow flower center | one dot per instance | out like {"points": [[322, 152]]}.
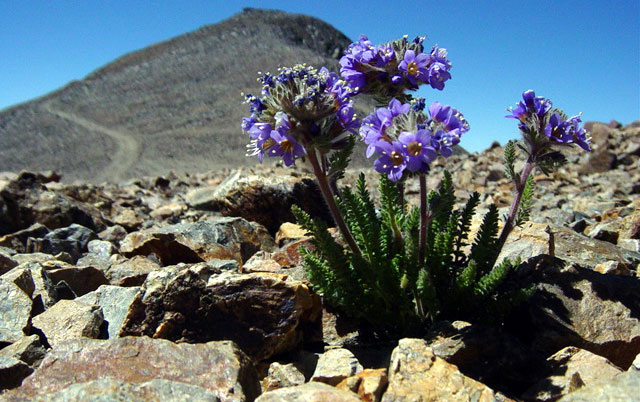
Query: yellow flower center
{"points": [[287, 145], [412, 68], [414, 148], [268, 144], [396, 158]]}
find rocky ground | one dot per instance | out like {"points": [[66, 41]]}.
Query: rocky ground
{"points": [[191, 285]]}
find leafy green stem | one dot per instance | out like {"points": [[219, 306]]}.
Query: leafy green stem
{"points": [[513, 211]]}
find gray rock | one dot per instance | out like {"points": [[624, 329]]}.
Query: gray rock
{"points": [[112, 390], [264, 314], [69, 319], [18, 240], [312, 391], [281, 375], [216, 238], [15, 312], [6, 262], [623, 387], [101, 248], [219, 367], [114, 302], [72, 239], [44, 293], [12, 372], [28, 349], [335, 365]]}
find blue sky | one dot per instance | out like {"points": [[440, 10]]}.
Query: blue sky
{"points": [[583, 55]]}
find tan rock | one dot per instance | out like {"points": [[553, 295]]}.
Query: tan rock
{"points": [[369, 384], [281, 376], [128, 219], [15, 310], [289, 231], [416, 374], [69, 319]]}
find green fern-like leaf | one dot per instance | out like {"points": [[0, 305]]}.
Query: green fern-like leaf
{"points": [[484, 248], [510, 160], [464, 224], [526, 202], [340, 159]]}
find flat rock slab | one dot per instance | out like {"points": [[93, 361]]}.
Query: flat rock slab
{"points": [[623, 387], [219, 367], [113, 390], [216, 238], [263, 313], [417, 374], [69, 319], [532, 239]]}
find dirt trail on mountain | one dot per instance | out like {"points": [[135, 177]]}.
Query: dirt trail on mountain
{"points": [[127, 148]]}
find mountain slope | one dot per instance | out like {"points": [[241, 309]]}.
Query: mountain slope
{"points": [[175, 105]]}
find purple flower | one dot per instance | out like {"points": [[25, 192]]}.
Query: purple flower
{"points": [[371, 132], [348, 119], [286, 147], [418, 149], [438, 75], [248, 122], [450, 118], [393, 159], [530, 105], [556, 129], [579, 135], [415, 67], [397, 108], [260, 134]]}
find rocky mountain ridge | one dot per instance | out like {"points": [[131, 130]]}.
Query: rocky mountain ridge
{"points": [[192, 284], [175, 105]]}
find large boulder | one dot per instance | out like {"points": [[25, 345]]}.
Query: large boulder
{"points": [[575, 306], [215, 238], [69, 319], [264, 314], [263, 199], [219, 367]]}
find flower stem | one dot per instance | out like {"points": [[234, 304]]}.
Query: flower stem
{"points": [[513, 211], [327, 194], [423, 220]]}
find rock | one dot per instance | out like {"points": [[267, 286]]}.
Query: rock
{"points": [[44, 291], [417, 374], [12, 372], [487, 354], [312, 391], [574, 306], [15, 312], [28, 349], [112, 390], [289, 232], [25, 201], [81, 280], [128, 219], [623, 387], [264, 314], [599, 161], [23, 278], [69, 319], [19, 240], [71, 239], [572, 368], [281, 376], [173, 209], [612, 268], [101, 248], [219, 367], [369, 384], [6, 263], [335, 365], [630, 244], [132, 272], [114, 302], [113, 234], [531, 240], [266, 200], [219, 238], [636, 363]]}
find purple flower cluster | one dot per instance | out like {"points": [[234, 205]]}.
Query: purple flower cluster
{"points": [[391, 68], [539, 122], [300, 108], [405, 138]]}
